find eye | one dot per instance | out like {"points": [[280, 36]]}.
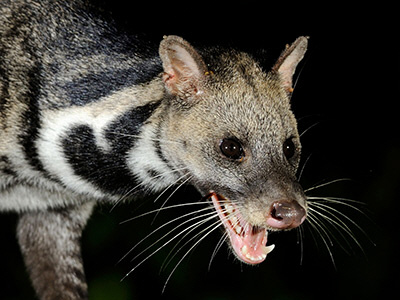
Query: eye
{"points": [[231, 148], [289, 149]]}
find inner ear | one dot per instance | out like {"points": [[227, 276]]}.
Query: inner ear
{"points": [[288, 61], [184, 69]]}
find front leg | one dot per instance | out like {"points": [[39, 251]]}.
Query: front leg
{"points": [[50, 244]]}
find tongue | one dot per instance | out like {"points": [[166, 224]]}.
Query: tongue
{"points": [[251, 247], [248, 242]]}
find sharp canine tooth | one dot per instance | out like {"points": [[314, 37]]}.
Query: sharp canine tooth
{"points": [[268, 249]]}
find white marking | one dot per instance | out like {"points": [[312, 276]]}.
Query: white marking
{"points": [[143, 157], [56, 124]]}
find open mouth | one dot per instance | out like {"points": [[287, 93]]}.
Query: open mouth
{"points": [[248, 241]]}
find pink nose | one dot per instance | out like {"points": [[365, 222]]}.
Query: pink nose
{"points": [[286, 215]]}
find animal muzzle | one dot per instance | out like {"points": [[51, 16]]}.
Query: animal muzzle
{"points": [[286, 214]]}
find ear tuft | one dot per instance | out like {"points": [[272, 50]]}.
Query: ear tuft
{"points": [[288, 61], [184, 69]]}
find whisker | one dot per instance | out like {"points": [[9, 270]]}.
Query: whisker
{"points": [[326, 183], [303, 167], [173, 192], [340, 201], [312, 220], [316, 201], [172, 184], [129, 192], [210, 229], [333, 224], [337, 200], [162, 226], [168, 260], [321, 225], [165, 244], [310, 127], [332, 212], [300, 235], [168, 207], [221, 241]]}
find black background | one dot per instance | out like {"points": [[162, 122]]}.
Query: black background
{"points": [[348, 86]]}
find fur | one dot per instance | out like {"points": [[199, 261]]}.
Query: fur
{"points": [[90, 114]]}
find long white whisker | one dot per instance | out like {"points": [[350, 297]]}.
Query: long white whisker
{"points": [[333, 224], [312, 220], [168, 207], [166, 243], [321, 225], [316, 201], [326, 183], [221, 241], [337, 200], [167, 261], [173, 192], [300, 235], [174, 229], [341, 201], [312, 126], [303, 167], [172, 184], [162, 226], [223, 238], [128, 193], [340, 223], [216, 225]]}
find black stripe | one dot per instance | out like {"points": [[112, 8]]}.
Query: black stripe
{"points": [[31, 118], [157, 146], [122, 133], [31, 80], [82, 292], [76, 289], [77, 272], [4, 94], [107, 170], [7, 169], [95, 86]]}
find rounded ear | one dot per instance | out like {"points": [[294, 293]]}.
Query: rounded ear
{"points": [[288, 61], [184, 69]]}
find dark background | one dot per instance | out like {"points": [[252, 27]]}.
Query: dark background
{"points": [[348, 86]]}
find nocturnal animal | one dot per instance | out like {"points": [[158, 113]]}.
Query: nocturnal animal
{"points": [[90, 114]]}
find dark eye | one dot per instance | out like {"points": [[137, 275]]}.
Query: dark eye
{"points": [[231, 148], [289, 148]]}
